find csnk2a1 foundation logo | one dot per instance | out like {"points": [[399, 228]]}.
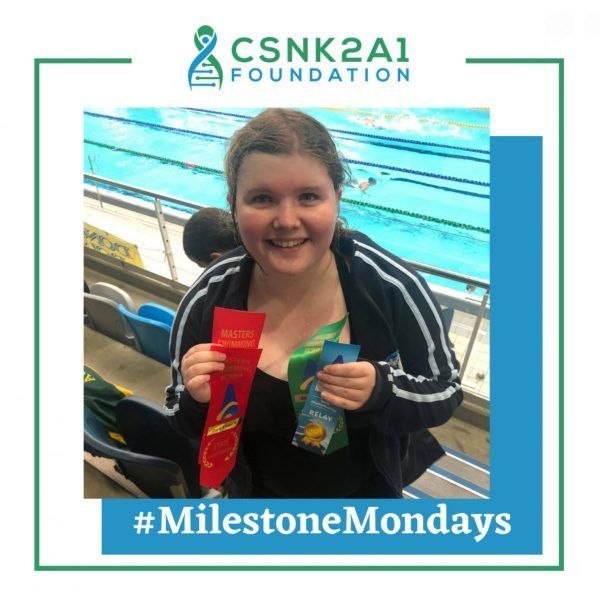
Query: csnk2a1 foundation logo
{"points": [[298, 60]]}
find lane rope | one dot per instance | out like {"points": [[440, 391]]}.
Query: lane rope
{"points": [[448, 155], [422, 173], [354, 133], [422, 119], [155, 125]]}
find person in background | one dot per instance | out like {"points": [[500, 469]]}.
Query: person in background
{"points": [[366, 183], [207, 235], [363, 185]]}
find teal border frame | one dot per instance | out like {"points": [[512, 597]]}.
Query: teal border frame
{"points": [[38, 62]]}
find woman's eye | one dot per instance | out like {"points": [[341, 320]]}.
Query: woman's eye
{"points": [[260, 199], [308, 196]]}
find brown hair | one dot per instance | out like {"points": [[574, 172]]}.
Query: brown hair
{"points": [[284, 131], [209, 230]]}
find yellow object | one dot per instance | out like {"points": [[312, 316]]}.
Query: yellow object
{"points": [[313, 434], [222, 427], [110, 245], [124, 390], [116, 436]]}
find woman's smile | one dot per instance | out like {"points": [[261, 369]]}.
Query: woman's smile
{"points": [[287, 244]]}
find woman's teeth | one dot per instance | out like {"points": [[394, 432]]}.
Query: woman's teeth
{"points": [[287, 243]]}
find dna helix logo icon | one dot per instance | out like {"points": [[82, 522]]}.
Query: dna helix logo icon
{"points": [[205, 69]]}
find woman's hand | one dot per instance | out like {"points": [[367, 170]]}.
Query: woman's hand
{"points": [[196, 366], [347, 385]]}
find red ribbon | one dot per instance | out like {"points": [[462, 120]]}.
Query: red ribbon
{"points": [[239, 332]]}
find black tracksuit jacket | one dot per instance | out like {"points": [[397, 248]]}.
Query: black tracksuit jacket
{"points": [[397, 322]]}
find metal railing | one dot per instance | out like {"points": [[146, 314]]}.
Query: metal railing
{"points": [[471, 283]]}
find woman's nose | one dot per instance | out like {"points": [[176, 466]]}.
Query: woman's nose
{"points": [[286, 215]]}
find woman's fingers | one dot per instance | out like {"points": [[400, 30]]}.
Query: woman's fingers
{"points": [[198, 381], [342, 402], [349, 375], [348, 385], [197, 365], [198, 369], [341, 382], [356, 369], [351, 394], [200, 354]]}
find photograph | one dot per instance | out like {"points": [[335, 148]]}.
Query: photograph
{"points": [[326, 282], [285, 303]]}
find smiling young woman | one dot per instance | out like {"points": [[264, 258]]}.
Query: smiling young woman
{"points": [[303, 270]]}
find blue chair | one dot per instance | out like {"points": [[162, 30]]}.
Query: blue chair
{"points": [[157, 313], [152, 336], [157, 477], [146, 430]]}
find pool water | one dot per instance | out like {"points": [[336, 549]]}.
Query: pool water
{"points": [[430, 162]]}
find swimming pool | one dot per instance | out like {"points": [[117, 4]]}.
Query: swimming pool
{"points": [[430, 203]]}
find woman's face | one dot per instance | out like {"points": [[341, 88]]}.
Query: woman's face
{"points": [[286, 210]]}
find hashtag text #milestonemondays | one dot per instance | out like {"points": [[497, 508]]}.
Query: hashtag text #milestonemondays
{"points": [[211, 519]]}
